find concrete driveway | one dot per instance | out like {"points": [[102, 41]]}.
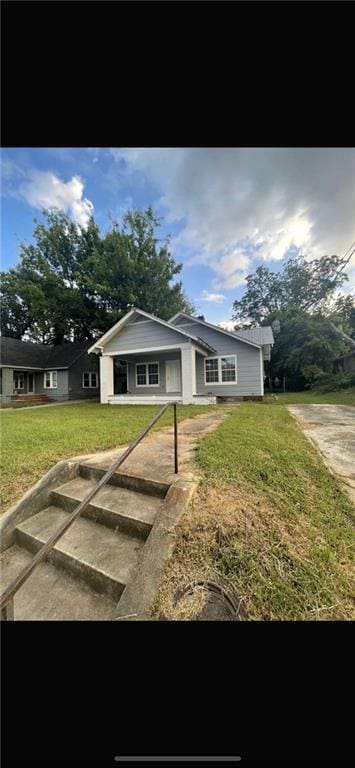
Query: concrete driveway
{"points": [[332, 429]]}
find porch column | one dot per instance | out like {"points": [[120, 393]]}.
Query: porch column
{"points": [[106, 378], [188, 373]]}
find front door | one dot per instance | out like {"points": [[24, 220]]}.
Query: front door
{"points": [[172, 375], [30, 383], [120, 377]]}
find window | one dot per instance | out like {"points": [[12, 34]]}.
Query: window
{"points": [[19, 380], [50, 380], [147, 374], [89, 380], [221, 370]]}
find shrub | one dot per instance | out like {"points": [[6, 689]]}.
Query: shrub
{"points": [[331, 382]]}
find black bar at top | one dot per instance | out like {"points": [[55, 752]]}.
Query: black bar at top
{"points": [[177, 759]]}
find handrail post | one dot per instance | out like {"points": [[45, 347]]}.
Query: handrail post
{"points": [[7, 612], [175, 441]]}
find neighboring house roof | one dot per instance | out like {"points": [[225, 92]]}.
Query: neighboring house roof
{"points": [[24, 354], [214, 328], [135, 311], [261, 335]]}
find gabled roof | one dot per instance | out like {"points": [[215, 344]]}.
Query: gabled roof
{"points": [[100, 343], [214, 328], [20, 354], [261, 335]]}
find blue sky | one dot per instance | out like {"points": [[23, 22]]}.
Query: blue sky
{"points": [[227, 210]]}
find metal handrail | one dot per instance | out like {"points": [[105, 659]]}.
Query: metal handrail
{"points": [[6, 599]]}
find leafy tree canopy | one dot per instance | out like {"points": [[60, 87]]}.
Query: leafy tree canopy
{"points": [[72, 283], [300, 283], [298, 302]]}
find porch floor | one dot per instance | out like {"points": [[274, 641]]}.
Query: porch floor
{"points": [[158, 399]]}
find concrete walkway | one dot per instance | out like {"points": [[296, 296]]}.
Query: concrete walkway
{"points": [[154, 456], [332, 429]]}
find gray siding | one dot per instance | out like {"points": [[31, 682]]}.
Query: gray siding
{"points": [[76, 390], [152, 357], [69, 381], [248, 364], [61, 391], [7, 384], [143, 335]]}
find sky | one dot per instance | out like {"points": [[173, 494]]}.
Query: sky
{"points": [[228, 210]]}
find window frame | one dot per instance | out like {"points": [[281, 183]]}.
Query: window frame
{"points": [[51, 385], [90, 374], [20, 377], [220, 383], [146, 364]]}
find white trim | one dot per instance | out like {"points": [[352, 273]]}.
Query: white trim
{"points": [[51, 385], [124, 320], [122, 353], [220, 383], [150, 362], [262, 371], [22, 368], [90, 374], [19, 374], [214, 328], [37, 370]]}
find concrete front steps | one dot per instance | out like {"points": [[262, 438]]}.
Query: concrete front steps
{"points": [[86, 572]]}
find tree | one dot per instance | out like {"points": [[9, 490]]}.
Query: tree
{"points": [[72, 283], [300, 283], [304, 347], [300, 303]]}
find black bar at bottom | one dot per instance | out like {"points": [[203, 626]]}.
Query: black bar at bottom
{"points": [[177, 759]]}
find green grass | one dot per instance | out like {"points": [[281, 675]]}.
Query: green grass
{"points": [[18, 404], [269, 517], [342, 397], [33, 442]]}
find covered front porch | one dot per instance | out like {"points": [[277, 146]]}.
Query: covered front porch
{"points": [[18, 384], [157, 376]]}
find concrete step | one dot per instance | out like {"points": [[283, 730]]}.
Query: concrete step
{"points": [[118, 508], [100, 557], [123, 480], [51, 594]]}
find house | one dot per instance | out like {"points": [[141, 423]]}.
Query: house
{"points": [[144, 359], [42, 372], [346, 363]]}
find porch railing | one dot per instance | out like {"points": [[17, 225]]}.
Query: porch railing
{"points": [[7, 597]]}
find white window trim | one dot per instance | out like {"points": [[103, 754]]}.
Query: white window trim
{"points": [[220, 383], [51, 385], [90, 374], [150, 362], [20, 377]]}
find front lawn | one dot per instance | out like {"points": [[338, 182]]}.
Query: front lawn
{"points": [[342, 397], [33, 441], [269, 517]]}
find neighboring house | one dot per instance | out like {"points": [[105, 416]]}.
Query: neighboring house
{"points": [[38, 371], [144, 359], [346, 363]]}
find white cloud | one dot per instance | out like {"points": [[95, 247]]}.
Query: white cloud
{"points": [[217, 298], [228, 325], [246, 205], [45, 190]]}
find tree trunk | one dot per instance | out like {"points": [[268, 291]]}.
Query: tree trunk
{"points": [[344, 336]]}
